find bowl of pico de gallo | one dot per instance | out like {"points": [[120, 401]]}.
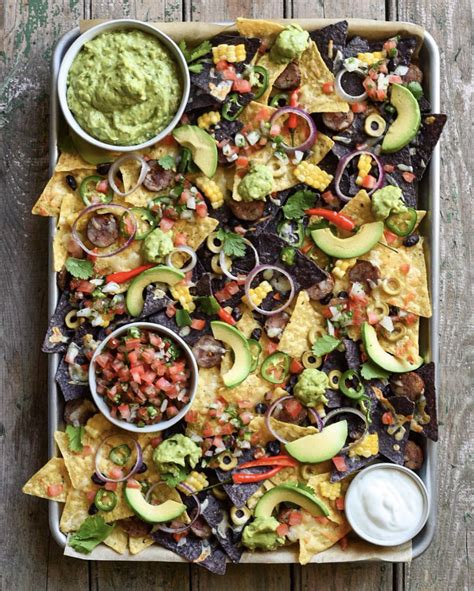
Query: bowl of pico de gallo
{"points": [[143, 377]]}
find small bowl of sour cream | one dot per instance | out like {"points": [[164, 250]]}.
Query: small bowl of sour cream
{"points": [[387, 504]]}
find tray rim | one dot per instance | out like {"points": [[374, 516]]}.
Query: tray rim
{"points": [[431, 185]]}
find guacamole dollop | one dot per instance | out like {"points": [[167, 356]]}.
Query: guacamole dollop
{"points": [[289, 44], [311, 386], [261, 534], [157, 245], [386, 201], [175, 456], [256, 184], [124, 87]]}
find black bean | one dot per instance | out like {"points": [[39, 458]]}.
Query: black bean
{"points": [[411, 240], [93, 509], [324, 301], [393, 311], [237, 313], [343, 295], [261, 408], [71, 181], [256, 334], [273, 447], [143, 468], [97, 479], [103, 169]]}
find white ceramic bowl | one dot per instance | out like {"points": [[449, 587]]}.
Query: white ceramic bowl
{"points": [[193, 382], [113, 26]]}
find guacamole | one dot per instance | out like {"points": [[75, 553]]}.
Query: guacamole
{"points": [[124, 87], [261, 534], [175, 456], [157, 245], [386, 201], [289, 44], [256, 184], [311, 386]]}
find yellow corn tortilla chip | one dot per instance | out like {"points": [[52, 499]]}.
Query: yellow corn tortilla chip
{"points": [[320, 149], [117, 540], [75, 511], [315, 482], [252, 389], [50, 201], [286, 430], [196, 231], [136, 545], [248, 115], [71, 205], [79, 467], [315, 73], [209, 384], [310, 470], [71, 161], [274, 70], [97, 427], [286, 475], [294, 339], [262, 29], [128, 259], [52, 473]]}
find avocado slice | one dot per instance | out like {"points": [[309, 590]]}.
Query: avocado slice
{"points": [[242, 356], [319, 447], [288, 493], [380, 357], [348, 248], [134, 300], [408, 120], [166, 511], [202, 146], [90, 153]]}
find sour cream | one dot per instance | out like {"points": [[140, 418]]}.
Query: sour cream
{"points": [[387, 504]]}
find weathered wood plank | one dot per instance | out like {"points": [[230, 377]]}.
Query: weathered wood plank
{"points": [[446, 564], [29, 32]]}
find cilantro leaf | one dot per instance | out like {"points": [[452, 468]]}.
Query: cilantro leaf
{"points": [[196, 68], [208, 304], [167, 162], [325, 344], [297, 203], [80, 268], [183, 318], [74, 436], [232, 243], [92, 532], [369, 371]]}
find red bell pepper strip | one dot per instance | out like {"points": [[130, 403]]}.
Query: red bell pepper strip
{"points": [[284, 461], [246, 477], [338, 219], [225, 316], [124, 276]]}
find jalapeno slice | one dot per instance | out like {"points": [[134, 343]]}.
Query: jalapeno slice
{"points": [[232, 108], [261, 86], [185, 160], [276, 367], [287, 255], [355, 391], [120, 454], [255, 350], [291, 232], [89, 193], [145, 222], [403, 223], [280, 100], [105, 500]]}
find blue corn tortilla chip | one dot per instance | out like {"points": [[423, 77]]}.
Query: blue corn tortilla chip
{"points": [[430, 430], [69, 389], [334, 361], [205, 553], [199, 99], [337, 34], [401, 159], [421, 149], [239, 493], [216, 516], [353, 465], [352, 354], [209, 79], [356, 45], [392, 446], [57, 321], [226, 130], [154, 303]]}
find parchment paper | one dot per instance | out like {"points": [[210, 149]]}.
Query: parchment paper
{"points": [[357, 550]]}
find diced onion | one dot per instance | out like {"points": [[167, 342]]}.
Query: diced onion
{"points": [[145, 167]]}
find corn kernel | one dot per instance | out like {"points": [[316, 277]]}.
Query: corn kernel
{"points": [[371, 58], [211, 190], [312, 175], [207, 119], [258, 294], [330, 490], [184, 297], [229, 53], [364, 165], [195, 480], [369, 446]]}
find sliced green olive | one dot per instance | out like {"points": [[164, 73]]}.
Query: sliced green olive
{"points": [[398, 332], [219, 493], [310, 360], [380, 309], [213, 243], [315, 333], [240, 516], [374, 125], [391, 286], [334, 378], [226, 461], [72, 320]]}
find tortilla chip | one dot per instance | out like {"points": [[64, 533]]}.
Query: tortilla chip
{"points": [[315, 482], [253, 389], [53, 472], [196, 231], [330, 40], [79, 467], [136, 545], [97, 426], [117, 540], [287, 430], [128, 259], [274, 70], [71, 161], [407, 346], [75, 511], [294, 339], [49, 202], [267, 30], [315, 73], [321, 147], [209, 383]]}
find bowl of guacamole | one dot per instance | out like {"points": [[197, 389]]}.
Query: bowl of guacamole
{"points": [[123, 85]]}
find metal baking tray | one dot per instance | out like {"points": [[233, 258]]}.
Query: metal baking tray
{"points": [[429, 199]]}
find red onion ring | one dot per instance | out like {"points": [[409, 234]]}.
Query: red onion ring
{"points": [[223, 262], [248, 282], [104, 207], [348, 410], [116, 165], [135, 468], [349, 98], [343, 163], [313, 132], [271, 410], [187, 250], [177, 530]]}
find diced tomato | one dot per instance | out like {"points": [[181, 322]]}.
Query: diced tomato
{"points": [[293, 408], [246, 417], [103, 360], [131, 344], [263, 114], [387, 418], [389, 44], [390, 237], [381, 94], [388, 167], [275, 130], [85, 287], [124, 411], [282, 529], [245, 404], [225, 316], [241, 85], [340, 503], [148, 356], [410, 318], [111, 485], [296, 366], [171, 411], [201, 209], [170, 310], [295, 518], [55, 490], [116, 473], [132, 483], [229, 73], [408, 176], [326, 312], [226, 429], [166, 224], [394, 79], [242, 162], [372, 317], [359, 107], [198, 324], [179, 239], [222, 65], [102, 186], [328, 87], [191, 416], [232, 288], [369, 182], [90, 496], [208, 431], [340, 463], [405, 268], [164, 384], [87, 451], [168, 141]]}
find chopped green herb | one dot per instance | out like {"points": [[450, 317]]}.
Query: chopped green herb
{"points": [[183, 318], [167, 162], [74, 436], [233, 244], [92, 532], [208, 304], [80, 268], [297, 203], [325, 345]]}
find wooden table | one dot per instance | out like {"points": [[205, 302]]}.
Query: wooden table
{"points": [[30, 559]]}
